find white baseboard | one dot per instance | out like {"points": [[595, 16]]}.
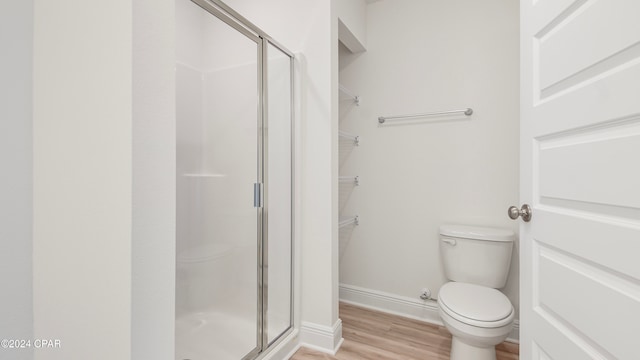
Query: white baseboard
{"points": [[514, 336], [322, 338], [402, 306]]}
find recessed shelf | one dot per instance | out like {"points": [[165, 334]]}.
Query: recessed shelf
{"points": [[350, 94], [349, 179], [349, 136], [348, 220]]}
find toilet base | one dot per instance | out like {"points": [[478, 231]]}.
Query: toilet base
{"points": [[463, 351]]}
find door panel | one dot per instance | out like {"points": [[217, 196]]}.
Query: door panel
{"points": [[593, 237], [566, 47], [558, 339], [217, 125], [569, 306], [580, 139], [279, 197], [599, 101], [547, 13], [579, 167]]}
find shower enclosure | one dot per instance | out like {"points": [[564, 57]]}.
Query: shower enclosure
{"points": [[234, 185]]}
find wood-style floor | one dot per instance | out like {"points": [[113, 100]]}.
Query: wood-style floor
{"points": [[374, 335]]}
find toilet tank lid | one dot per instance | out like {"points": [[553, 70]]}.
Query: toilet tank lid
{"points": [[477, 232]]}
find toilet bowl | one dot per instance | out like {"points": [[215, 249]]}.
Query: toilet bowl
{"points": [[478, 316]]}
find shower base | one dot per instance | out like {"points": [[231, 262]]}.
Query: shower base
{"points": [[218, 335], [214, 335]]}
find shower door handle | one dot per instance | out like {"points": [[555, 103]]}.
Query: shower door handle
{"points": [[257, 195]]}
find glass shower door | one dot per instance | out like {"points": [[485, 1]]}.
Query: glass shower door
{"points": [[218, 163], [279, 174]]}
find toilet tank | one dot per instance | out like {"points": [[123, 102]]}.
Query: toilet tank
{"points": [[476, 255]]}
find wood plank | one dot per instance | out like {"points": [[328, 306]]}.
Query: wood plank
{"points": [[374, 335]]}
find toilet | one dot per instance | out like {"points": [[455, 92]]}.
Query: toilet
{"points": [[476, 262]]}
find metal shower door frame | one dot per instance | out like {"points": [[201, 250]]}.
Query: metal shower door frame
{"points": [[229, 16]]}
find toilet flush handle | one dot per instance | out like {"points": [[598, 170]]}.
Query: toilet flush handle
{"points": [[451, 242]]}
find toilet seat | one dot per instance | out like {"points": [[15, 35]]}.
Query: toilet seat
{"points": [[476, 305]]}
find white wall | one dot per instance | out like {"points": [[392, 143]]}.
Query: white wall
{"points": [[16, 41], [87, 273], [154, 184], [427, 56], [82, 178]]}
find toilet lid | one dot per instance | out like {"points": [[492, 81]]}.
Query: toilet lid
{"points": [[475, 305]]}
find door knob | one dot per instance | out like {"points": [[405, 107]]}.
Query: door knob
{"points": [[524, 212]]}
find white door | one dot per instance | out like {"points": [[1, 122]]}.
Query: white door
{"points": [[580, 156]]}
